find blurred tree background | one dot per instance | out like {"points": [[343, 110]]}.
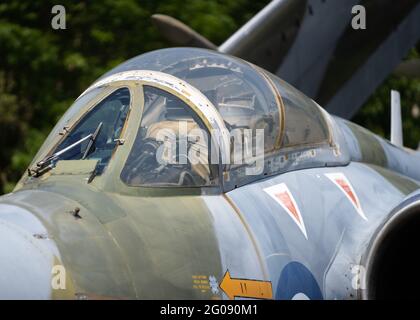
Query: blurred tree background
{"points": [[375, 114], [43, 70]]}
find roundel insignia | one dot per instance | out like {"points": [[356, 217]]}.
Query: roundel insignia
{"points": [[296, 282]]}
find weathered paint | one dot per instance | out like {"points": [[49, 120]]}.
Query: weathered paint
{"points": [[174, 243], [337, 236]]}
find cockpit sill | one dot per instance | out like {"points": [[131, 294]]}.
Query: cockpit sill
{"points": [[323, 155]]}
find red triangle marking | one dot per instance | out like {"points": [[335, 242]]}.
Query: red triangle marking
{"points": [[343, 184], [285, 198]]}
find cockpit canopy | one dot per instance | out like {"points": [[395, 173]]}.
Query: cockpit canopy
{"points": [[260, 115], [245, 95]]}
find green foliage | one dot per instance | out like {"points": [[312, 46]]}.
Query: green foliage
{"points": [[375, 114]]}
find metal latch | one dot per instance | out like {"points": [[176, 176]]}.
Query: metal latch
{"points": [[120, 142]]}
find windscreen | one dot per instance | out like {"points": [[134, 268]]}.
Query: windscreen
{"points": [[171, 147], [95, 135]]}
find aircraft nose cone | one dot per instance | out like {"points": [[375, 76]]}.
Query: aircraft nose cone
{"points": [[26, 255]]}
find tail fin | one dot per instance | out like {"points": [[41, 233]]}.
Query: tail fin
{"points": [[306, 41], [263, 40], [179, 33], [266, 39]]}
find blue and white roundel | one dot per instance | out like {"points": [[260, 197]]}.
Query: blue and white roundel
{"points": [[297, 283]]}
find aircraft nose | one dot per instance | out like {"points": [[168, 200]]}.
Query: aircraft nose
{"points": [[26, 255]]}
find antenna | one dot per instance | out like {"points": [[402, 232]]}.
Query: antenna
{"points": [[396, 122]]}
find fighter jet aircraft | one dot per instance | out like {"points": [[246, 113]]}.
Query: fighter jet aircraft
{"points": [[186, 173]]}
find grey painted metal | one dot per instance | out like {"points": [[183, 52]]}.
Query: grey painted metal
{"points": [[307, 60], [364, 146], [267, 37], [380, 64], [255, 28], [337, 235], [396, 120], [179, 33], [26, 260], [298, 40]]}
